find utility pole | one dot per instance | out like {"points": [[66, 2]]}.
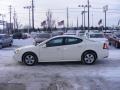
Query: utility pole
{"points": [[83, 13], [105, 9], [77, 22], [28, 7], [3, 22], [32, 14], [14, 19], [67, 18], [88, 16], [82, 18], [10, 8], [92, 19]]}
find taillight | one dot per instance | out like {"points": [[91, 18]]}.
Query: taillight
{"points": [[105, 46]]}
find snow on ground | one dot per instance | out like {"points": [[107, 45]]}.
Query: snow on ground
{"points": [[104, 75], [23, 42]]}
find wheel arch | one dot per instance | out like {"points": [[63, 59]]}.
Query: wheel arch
{"points": [[89, 51], [29, 52]]}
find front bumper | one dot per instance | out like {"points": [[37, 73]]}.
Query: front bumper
{"points": [[17, 57]]}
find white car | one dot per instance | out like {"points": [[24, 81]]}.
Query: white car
{"points": [[62, 48], [96, 36]]}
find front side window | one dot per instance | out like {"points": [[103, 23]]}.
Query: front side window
{"points": [[72, 40], [55, 42]]}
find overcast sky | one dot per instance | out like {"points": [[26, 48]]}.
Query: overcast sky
{"points": [[58, 7]]}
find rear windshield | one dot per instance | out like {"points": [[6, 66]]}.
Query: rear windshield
{"points": [[96, 36]]}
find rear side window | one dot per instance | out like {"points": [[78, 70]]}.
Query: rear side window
{"points": [[72, 40]]}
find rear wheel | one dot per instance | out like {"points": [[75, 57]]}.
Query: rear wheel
{"points": [[30, 59], [89, 58]]}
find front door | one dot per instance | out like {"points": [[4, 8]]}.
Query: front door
{"points": [[53, 51]]}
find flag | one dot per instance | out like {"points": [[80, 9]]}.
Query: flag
{"points": [[43, 23], [100, 22], [61, 23]]}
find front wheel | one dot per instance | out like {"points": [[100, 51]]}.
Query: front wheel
{"points": [[89, 58], [30, 59]]}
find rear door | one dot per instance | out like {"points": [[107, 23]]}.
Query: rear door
{"points": [[73, 48]]}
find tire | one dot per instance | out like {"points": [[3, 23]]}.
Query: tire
{"points": [[89, 58], [30, 59]]}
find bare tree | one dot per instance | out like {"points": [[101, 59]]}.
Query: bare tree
{"points": [[50, 22]]}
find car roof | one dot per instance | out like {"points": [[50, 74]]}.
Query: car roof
{"points": [[66, 36]]}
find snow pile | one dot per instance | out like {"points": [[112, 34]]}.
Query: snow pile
{"points": [[23, 42]]}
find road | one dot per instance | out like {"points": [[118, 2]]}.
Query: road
{"points": [[103, 75]]}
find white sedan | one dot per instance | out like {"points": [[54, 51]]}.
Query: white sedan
{"points": [[96, 36], [62, 48]]}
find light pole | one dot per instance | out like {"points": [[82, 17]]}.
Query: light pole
{"points": [[3, 20], [32, 6], [28, 7], [88, 16], [83, 13], [105, 9]]}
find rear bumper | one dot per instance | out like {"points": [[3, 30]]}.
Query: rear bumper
{"points": [[103, 54]]}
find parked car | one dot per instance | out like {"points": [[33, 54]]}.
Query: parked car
{"points": [[20, 35], [56, 33], [115, 40], [96, 36], [17, 35], [41, 37], [80, 33], [5, 40], [70, 32], [62, 48]]}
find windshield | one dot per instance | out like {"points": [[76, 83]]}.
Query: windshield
{"points": [[96, 36]]}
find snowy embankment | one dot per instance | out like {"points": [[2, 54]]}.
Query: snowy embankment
{"points": [[23, 42]]}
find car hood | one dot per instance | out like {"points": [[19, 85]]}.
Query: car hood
{"points": [[26, 47]]}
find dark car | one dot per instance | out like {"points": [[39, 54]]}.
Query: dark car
{"points": [[5, 40], [115, 40], [19, 35]]}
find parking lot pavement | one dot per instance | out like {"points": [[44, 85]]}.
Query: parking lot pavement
{"points": [[103, 75]]}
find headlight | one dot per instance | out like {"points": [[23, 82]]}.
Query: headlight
{"points": [[17, 51]]}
